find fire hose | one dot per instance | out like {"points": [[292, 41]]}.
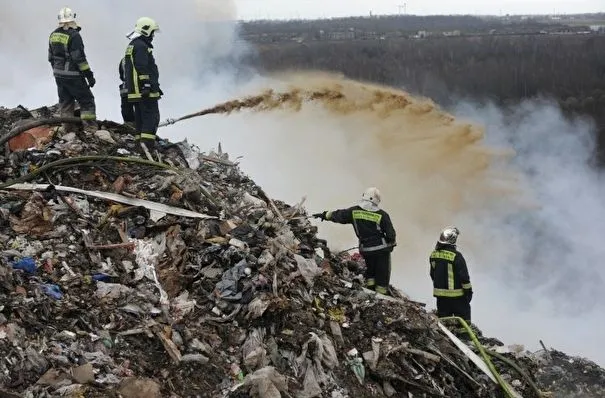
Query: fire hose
{"points": [[170, 121], [485, 353]]}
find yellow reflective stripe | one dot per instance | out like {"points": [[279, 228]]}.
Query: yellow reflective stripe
{"points": [[148, 136], [367, 216], [328, 215], [149, 50], [443, 255], [83, 66], [450, 276], [154, 95], [135, 75], [381, 290], [467, 286], [59, 38], [448, 293], [88, 115], [370, 282], [143, 77]]}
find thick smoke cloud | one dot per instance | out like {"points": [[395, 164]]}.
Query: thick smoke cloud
{"points": [[530, 222]]}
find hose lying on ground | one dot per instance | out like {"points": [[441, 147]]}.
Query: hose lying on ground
{"points": [[81, 160], [513, 365], [483, 353]]}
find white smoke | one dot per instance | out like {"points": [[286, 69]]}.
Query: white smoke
{"points": [[536, 274]]}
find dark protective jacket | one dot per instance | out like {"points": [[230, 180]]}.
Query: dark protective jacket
{"points": [[123, 89], [66, 53], [374, 229], [140, 69], [449, 272]]}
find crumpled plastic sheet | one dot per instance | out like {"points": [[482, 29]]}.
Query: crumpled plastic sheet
{"points": [[314, 375], [267, 382], [147, 252], [252, 351], [227, 286], [192, 156], [308, 268], [111, 290]]}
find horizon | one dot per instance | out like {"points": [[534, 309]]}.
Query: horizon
{"points": [[285, 19]]}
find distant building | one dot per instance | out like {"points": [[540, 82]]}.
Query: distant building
{"points": [[597, 28]]}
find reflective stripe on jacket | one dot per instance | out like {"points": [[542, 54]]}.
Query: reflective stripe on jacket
{"points": [[449, 272], [66, 53], [140, 69], [374, 229]]}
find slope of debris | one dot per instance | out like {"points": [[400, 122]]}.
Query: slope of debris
{"points": [[121, 276]]}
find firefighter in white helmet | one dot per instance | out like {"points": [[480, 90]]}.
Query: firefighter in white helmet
{"points": [[452, 286], [71, 70], [376, 235], [142, 80]]}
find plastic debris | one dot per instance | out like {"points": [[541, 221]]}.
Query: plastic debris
{"points": [[184, 279]]}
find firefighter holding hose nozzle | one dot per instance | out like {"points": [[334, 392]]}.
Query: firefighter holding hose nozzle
{"points": [[376, 235]]}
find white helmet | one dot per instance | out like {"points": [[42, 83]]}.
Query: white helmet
{"points": [[66, 15], [145, 26], [449, 235], [372, 195]]}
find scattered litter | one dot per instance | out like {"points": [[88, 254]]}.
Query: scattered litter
{"points": [[120, 275]]}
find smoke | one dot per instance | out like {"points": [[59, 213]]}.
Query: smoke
{"points": [[519, 188]]}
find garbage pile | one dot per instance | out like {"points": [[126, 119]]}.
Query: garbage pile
{"points": [[122, 276]]}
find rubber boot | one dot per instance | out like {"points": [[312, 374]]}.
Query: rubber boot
{"points": [[90, 126]]}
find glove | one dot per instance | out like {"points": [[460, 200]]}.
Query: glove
{"points": [[146, 90], [468, 294], [321, 216], [90, 78]]}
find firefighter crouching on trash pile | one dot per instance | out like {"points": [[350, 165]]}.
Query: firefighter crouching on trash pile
{"points": [[142, 80], [376, 235], [451, 281], [71, 70]]}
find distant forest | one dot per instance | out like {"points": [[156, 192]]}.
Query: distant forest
{"points": [[503, 68]]}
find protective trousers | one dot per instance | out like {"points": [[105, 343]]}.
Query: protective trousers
{"points": [[454, 306], [127, 111], [75, 89], [378, 270], [146, 119]]}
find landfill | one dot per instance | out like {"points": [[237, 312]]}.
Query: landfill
{"points": [[175, 275]]}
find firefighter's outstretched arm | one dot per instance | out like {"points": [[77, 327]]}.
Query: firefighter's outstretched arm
{"points": [[340, 216]]}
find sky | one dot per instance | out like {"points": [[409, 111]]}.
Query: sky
{"points": [[294, 9]]}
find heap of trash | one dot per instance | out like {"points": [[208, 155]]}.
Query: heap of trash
{"points": [[174, 275]]}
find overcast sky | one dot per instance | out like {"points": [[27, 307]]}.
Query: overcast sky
{"points": [[257, 9]]}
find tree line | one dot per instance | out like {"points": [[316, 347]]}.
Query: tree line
{"points": [[570, 68]]}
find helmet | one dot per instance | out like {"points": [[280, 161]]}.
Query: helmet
{"points": [[372, 195], [449, 236], [145, 26], [66, 15]]}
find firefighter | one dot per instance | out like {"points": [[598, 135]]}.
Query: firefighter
{"points": [[142, 80], [127, 107], [376, 235], [451, 281], [71, 70]]}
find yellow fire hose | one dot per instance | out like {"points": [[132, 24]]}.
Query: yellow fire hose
{"points": [[483, 353]]}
